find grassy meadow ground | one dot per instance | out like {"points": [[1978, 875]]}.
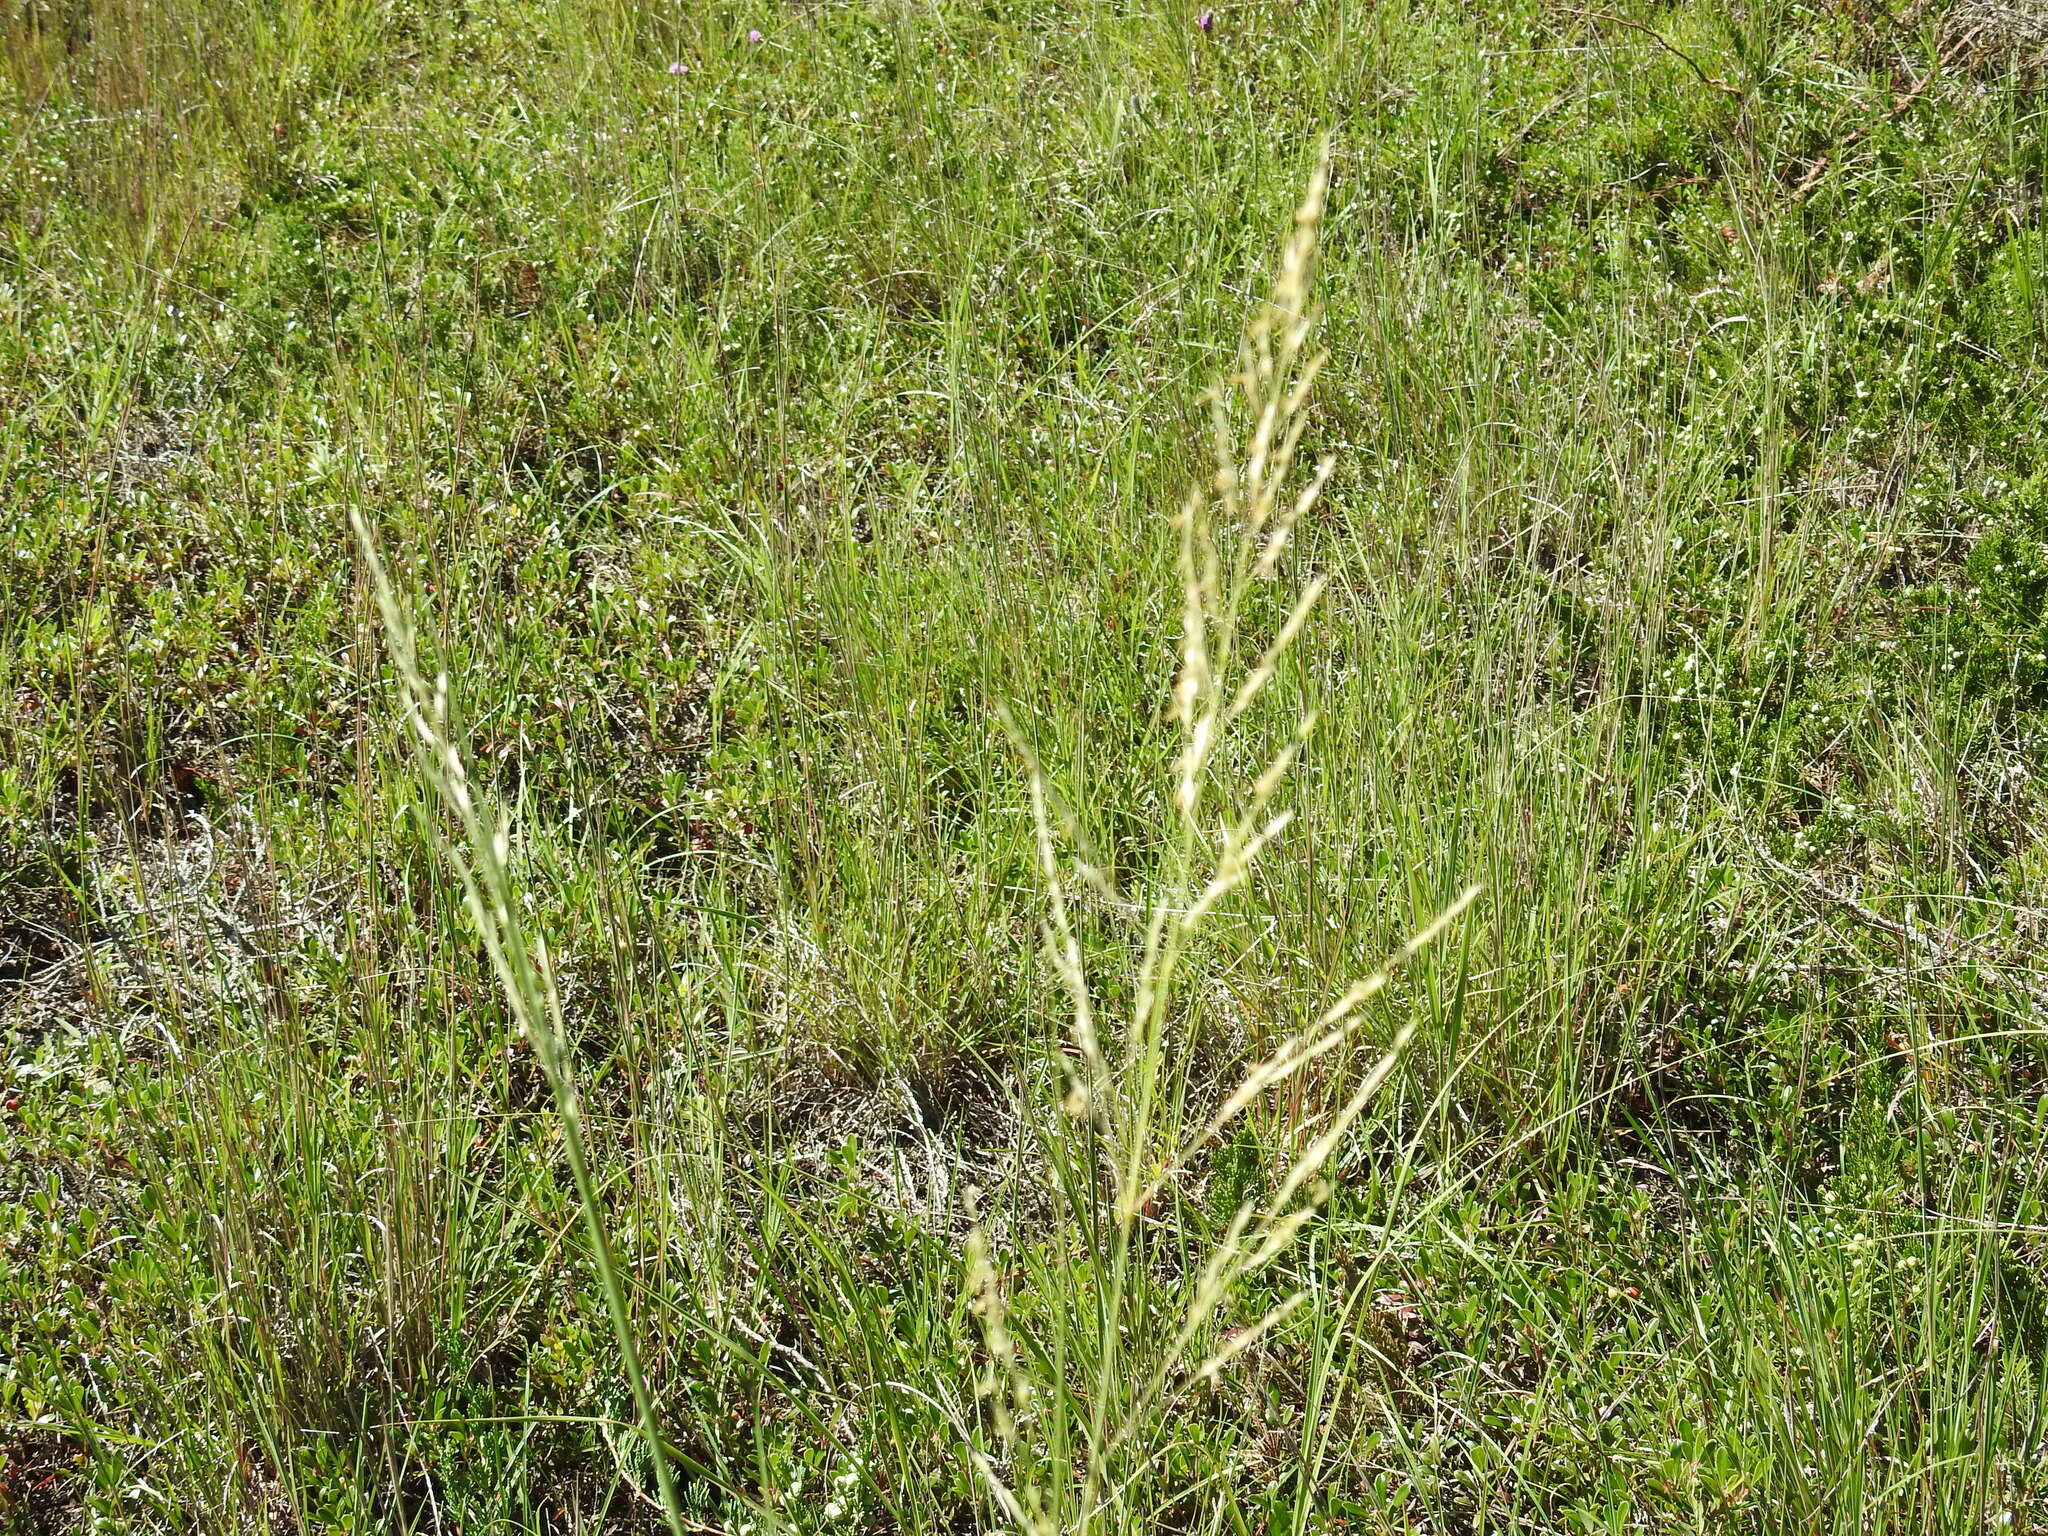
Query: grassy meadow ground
{"points": [[772, 419]]}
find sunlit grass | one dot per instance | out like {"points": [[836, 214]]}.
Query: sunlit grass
{"points": [[851, 1005]]}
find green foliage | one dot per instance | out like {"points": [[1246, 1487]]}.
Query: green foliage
{"points": [[750, 425]]}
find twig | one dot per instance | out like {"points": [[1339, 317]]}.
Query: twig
{"points": [[1942, 946], [776, 1346], [1900, 108], [1713, 81]]}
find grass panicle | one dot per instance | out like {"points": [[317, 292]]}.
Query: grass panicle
{"points": [[479, 853], [1232, 535]]}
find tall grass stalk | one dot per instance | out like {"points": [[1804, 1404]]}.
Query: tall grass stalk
{"points": [[480, 855], [1133, 1135]]}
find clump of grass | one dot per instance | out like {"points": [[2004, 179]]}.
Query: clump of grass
{"points": [[1074, 1441]]}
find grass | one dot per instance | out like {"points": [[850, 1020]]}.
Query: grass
{"points": [[808, 1117]]}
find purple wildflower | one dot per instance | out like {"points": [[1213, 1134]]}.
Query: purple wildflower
{"points": [[679, 68], [753, 34], [1206, 21]]}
